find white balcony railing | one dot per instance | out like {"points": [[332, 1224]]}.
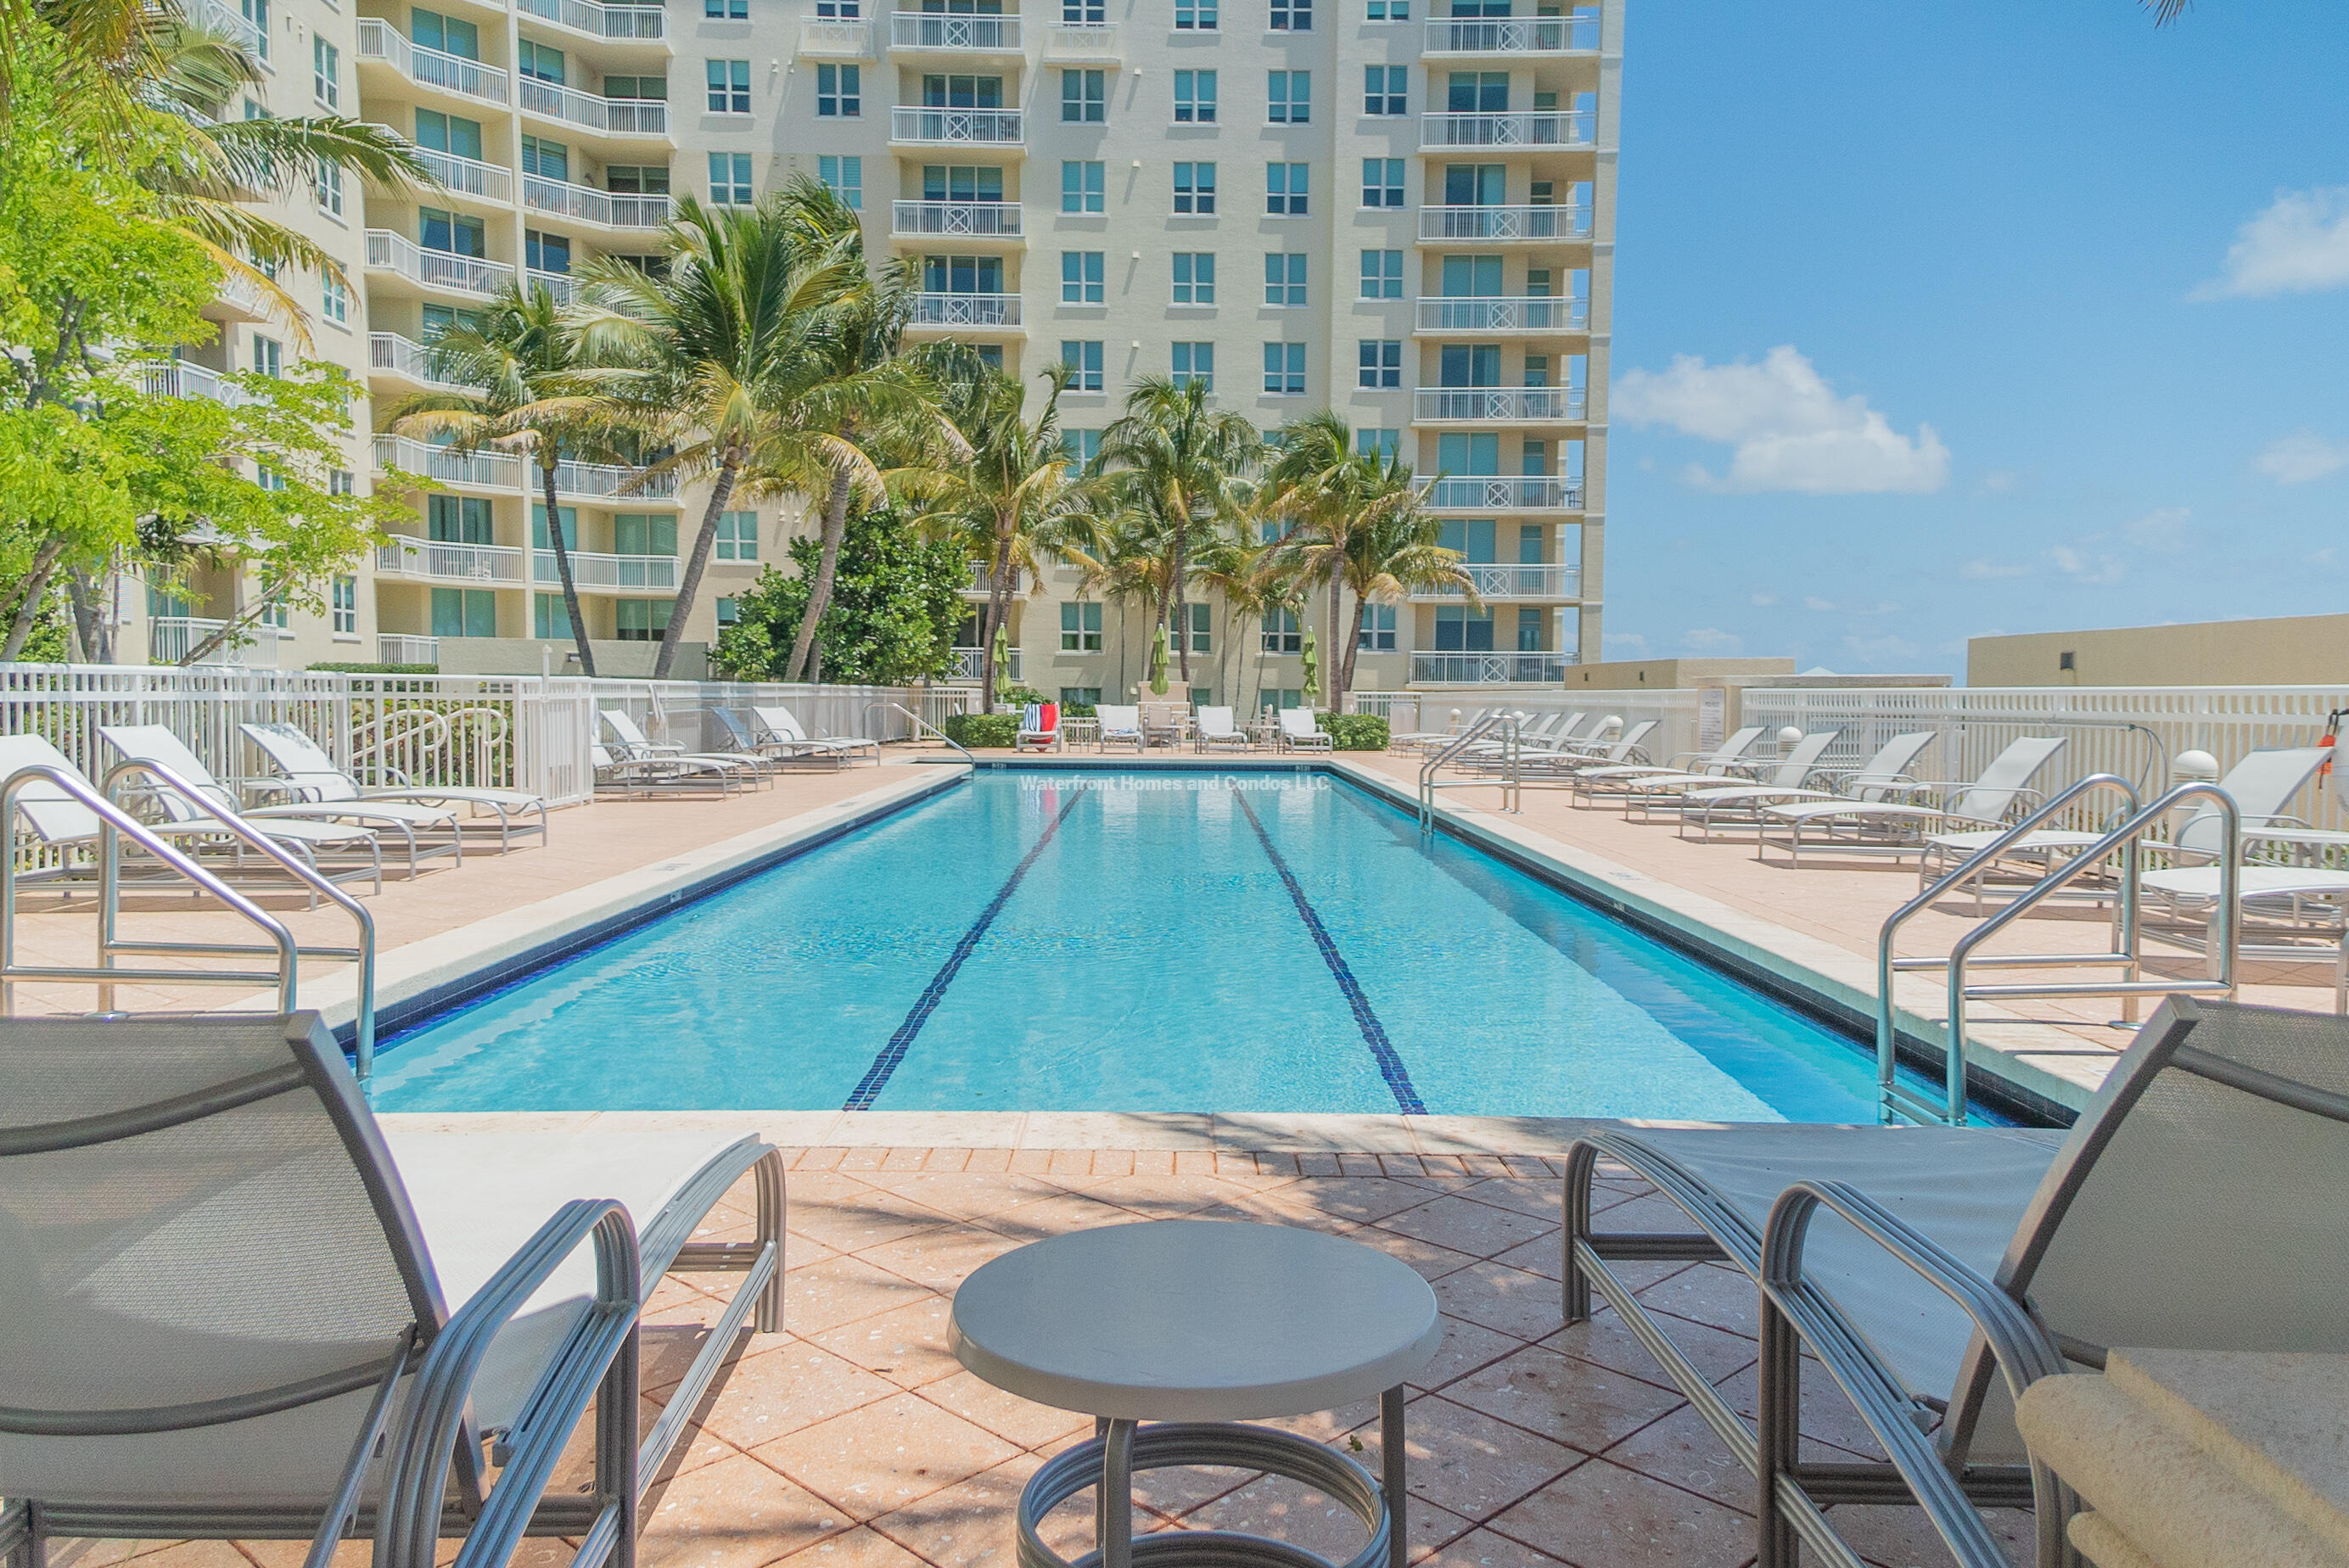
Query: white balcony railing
{"points": [[970, 664], [1497, 405], [610, 480], [635, 116], [978, 586], [965, 310], [439, 560], [1553, 312], [1505, 223], [179, 378], [1489, 669], [1504, 579], [396, 355], [1505, 493], [562, 285], [830, 39], [971, 220], [954, 34], [1080, 41], [956, 126], [229, 21], [172, 638], [468, 176], [587, 204], [482, 470], [390, 253], [606, 573], [379, 40], [1538, 128], [402, 648], [1578, 33], [648, 22], [240, 294], [616, 117]]}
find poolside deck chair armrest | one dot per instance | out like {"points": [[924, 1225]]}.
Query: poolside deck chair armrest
{"points": [[598, 1357]]}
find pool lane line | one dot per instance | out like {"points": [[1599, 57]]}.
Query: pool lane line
{"points": [[1374, 1034], [876, 1077]]}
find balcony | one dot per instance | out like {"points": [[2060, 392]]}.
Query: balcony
{"points": [[1503, 226], [918, 127], [1456, 315], [1081, 43], [465, 176], [1513, 36], [1497, 405], [379, 41], [594, 573], [179, 378], [619, 24], [172, 638], [399, 648], [390, 354], [977, 588], [1489, 669], [562, 285], [955, 219], [610, 481], [614, 117], [229, 21], [390, 253], [585, 204], [239, 297], [1505, 493], [938, 33], [477, 470], [1505, 581], [970, 664], [981, 311], [439, 560], [1550, 130], [829, 38]]}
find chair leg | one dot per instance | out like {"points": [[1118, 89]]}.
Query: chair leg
{"points": [[1581, 1163], [1778, 1432], [770, 1229]]}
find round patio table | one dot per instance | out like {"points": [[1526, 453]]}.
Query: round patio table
{"points": [[1197, 1326]]}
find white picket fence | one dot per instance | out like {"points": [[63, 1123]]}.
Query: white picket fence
{"points": [[1678, 714]]}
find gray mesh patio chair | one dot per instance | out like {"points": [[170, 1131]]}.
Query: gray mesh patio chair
{"points": [[751, 740], [1565, 761], [1121, 725], [1623, 780], [632, 742], [2200, 1201], [1782, 780], [309, 776], [1889, 826], [643, 777], [1884, 776], [780, 724], [227, 1294]]}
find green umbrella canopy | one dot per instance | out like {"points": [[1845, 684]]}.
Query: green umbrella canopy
{"points": [[1313, 669], [1002, 675], [1158, 661]]}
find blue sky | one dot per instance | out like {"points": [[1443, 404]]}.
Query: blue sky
{"points": [[1939, 319]]}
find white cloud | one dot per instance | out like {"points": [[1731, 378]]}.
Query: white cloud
{"points": [[1790, 431], [2095, 570], [2326, 558], [1998, 481], [1877, 650], [1981, 568], [1766, 600], [1712, 640], [2299, 245], [1814, 601], [2301, 457], [1633, 644], [2162, 531]]}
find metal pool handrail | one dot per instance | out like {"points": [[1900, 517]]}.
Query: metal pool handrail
{"points": [[921, 724], [1506, 723]]}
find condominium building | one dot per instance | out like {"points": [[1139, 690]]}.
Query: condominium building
{"points": [[1405, 217]]}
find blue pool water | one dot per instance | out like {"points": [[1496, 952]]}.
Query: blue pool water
{"points": [[1039, 940]]}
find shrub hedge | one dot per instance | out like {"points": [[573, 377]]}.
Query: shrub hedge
{"points": [[1354, 731], [981, 729]]}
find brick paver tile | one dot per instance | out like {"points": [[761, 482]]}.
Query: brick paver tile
{"points": [[842, 1290], [1529, 1191], [1605, 1340], [1165, 1197], [1711, 1293], [1361, 1199], [850, 1222], [1432, 1261], [1468, 1461], [970, 1524], [1055, 1217], [1573, 1402], [988, 1160], [1516, 1303], [1603, 1516], [906, 1346], [1466, 1347], [881, 1457], [1195, 1161], [1007, 1416], [859, 1548], [1899, 1537], [1467, 1226], [968, 1194], [738, 1513], [1154, 1161], [939, 1260], [1483, 1549], [1683, 1451], [793, 1385]]}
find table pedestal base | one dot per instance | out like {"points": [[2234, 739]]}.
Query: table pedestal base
{"points": [[1177, 1444]]}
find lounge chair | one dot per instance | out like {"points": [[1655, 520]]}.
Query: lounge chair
{"points": [[1418, 739], [641, 778], [228, 1293], [1698, 767], [1119, 725], [1780, 781], [1564, 762], [310, 776], [743, 738], [1897, 828], [635, 746], [2200, 1201], [1542, 734], [1040, 726], [1216, 732], [1884, 776], [1299, 733], [780, 724], [1166, 723]]}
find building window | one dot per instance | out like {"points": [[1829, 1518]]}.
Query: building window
{"points": [[1201, 617], [1288, 96], [1284, 279], [1382, 181], [738, 536], [345, 604], [642, 620], [961, 182], [1284, 189], [1083, 358], [1084, 13], [539, 62], [1195, 15], [726, 612], [844, 177], [1381, 363], [1378, 630], [1195, 97], [1195, 277], [1292, 15], [1284, 368], [1081, 277], [1383, 275], [547, 159], [1530, 628], [1084, 97], [341, 481], [1195, 188], [546, 252], [1083, 185], [839, 91], [325, 72], [1477, 92], [1079, 697], [840, 10], [549, 618], [450, 133], [1194, 362], [1385, 88], [1283, 633], [1080, 446], [1389, 11], [962, 274], [327, 185], [726, 10], [729, 179], [1080, 628], [465, 613], [268, 355], [730, 87], [257, 12], [1378, 444], [334, 299]]}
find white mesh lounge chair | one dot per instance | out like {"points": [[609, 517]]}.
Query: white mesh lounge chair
{"points": [[632, 743], [309, 776], [780, 724], [1040, 727], [1121, 725], [1782, 779], [1417, 739], [2202, 1202], [743, 739], [1299, 733], [1216, 732], [1698, 768], [641, 778], [1884, 777], [236, 1307], [1897, 828], [1564, 762]]}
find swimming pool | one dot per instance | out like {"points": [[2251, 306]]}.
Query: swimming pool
{"points": [[1186, 941]]}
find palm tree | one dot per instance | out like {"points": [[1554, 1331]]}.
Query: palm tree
{"points": [[1178, 461], [1392, 552], [1231, 568], [534, 394]]}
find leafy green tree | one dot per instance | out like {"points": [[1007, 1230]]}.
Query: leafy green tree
{"points": [[895, 602]]}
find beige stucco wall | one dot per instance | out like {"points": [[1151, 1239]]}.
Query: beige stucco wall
{"points": [[2293, 650]]}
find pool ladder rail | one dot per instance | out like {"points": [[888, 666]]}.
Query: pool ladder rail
{"points": [[1505, 725], [116, 823], [2126, 954], [920, 724]]}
